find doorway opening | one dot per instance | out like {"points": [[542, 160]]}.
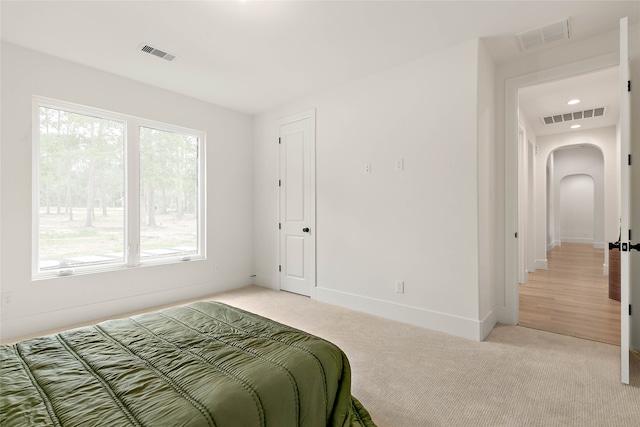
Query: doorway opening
{"points": [[568, 205]]}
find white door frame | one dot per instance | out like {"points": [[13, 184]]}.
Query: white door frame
{"points": [[511, 313], [523, 273], [311, 114]]}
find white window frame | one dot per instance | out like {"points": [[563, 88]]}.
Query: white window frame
{"points": [[131, 155]]}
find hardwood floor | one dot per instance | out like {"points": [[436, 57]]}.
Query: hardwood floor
{"points": [[571, 297]]}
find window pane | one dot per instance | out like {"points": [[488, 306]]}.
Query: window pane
{"points": [[168, 194], [81, 190]]}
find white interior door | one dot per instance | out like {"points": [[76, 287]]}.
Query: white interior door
{"points": [[625, 249], [297, 204]]}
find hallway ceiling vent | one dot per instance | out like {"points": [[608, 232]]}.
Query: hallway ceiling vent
{"points": [[577, 115], [543, 35], [156, 52]]}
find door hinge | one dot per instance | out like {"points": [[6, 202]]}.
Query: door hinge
{"points": [[629, 160], [279, 268], [629, 309], [279, 141], [628, 85], [279, 226], [279, 183]]}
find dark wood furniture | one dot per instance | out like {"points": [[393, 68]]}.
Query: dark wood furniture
{"points": [[614, 274]]}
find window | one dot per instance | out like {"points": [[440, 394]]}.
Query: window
{"points": [[113, 191]]}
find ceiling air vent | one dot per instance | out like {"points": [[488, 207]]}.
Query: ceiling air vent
{"points": [[543, 35], [576, 115], [157, 52]]}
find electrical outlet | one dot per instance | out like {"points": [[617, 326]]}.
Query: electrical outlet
{"points": [[367, 167], [400, 286], [399, 165]]}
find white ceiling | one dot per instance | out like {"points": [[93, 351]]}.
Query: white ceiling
{"points": [[254, 55], [594, 90]]}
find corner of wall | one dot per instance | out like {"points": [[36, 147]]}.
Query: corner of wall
{"points": [[487, 324]]}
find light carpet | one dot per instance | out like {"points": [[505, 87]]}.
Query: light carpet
{"points": [[409, 376]]}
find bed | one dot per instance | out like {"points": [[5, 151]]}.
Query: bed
{"points": [[203, 364]]}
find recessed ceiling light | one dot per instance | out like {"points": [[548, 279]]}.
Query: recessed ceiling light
{"points": [[573, 102], [575, 126]]}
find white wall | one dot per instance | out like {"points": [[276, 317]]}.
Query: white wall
{"points": [[550, 201], [585, 161], [591, 152], [487, 224], [46, 304], [577, 209], [527, 227], [419, 225]]}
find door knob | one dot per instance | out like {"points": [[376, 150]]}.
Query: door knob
{"points": [[305, 230]]}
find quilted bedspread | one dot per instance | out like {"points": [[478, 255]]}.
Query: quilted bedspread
{"points": [[204, 364]]}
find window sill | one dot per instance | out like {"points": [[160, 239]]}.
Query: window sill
{"points": [[98, 269]]}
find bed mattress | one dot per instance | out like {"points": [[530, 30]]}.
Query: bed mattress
{"points": [[203, 364]]}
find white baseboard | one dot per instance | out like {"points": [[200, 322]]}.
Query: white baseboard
{"points": [[38, 324], [487, 324], [577, 240], [596, 245], [605, 269], [541, 263], [442, 322]]}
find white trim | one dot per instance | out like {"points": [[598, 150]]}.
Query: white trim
{"points": [[132, 194], [523, 276], [585, 240], [22, 327], [510, 314], [488, 323], [542, 264], [552, 245], [437, 321], [625, 201], [35, 189]]}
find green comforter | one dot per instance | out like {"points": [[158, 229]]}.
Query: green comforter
{"points": [[205, 364]]}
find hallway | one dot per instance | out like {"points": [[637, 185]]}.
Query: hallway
{"points": [[571, 297]]}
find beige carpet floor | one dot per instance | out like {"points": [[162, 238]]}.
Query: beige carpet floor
{"points": [[407, 376]]}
